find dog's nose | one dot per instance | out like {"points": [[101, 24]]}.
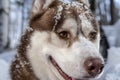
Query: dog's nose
{"points": [[93, 66]]}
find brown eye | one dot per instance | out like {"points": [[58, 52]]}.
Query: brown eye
{"points": [[92, 35], [64, 35]]}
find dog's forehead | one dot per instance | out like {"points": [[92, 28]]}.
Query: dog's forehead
{"points": [[70, 8], [78, 11], [74, 6]]}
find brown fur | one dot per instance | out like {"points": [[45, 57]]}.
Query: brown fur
{"points": [[21, 68], [44, 22]]}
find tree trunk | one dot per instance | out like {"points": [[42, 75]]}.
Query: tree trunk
{"points": [[4, 22], [92, 5], [112, 7]]}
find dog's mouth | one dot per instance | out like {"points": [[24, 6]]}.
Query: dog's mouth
{"points": [[61, 72]]}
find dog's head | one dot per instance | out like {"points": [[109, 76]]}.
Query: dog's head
{"points": [[65, 39]]}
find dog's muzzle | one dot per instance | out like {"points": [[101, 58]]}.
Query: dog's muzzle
{"points": [[93, 67]]}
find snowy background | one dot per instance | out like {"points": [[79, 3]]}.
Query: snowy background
{"points": [[14, 15]]}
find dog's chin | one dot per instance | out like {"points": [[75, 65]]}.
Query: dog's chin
{"points": [[62, 73]]}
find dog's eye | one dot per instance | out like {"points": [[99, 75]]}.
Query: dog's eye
{"points": [[64, 35], [92, 35]]}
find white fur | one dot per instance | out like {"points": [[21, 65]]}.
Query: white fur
{"points": [[38, 55], [69, 59]]}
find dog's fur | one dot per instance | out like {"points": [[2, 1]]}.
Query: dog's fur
{"points": [[65, 31]]}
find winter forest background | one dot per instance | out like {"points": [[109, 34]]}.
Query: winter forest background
{"points": [[14, 15]]}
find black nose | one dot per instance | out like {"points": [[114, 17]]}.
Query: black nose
{"points": [[93, 66]]}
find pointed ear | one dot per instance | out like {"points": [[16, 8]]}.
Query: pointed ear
{"points": [[85, 2], [39, 6]]}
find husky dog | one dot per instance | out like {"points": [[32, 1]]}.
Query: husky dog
{"points": [[61, 44]]}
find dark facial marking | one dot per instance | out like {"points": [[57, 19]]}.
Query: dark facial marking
{"points": [[92, 36], [44, 21], [93, 21]]}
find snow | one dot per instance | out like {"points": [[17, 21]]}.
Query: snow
{"points": [[113, 32], [68, 4], [5, 61], [4, 68], [114, 58], [112, 69], [58, 16], [66, 1]]}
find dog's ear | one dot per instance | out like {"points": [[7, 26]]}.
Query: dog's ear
{"points": [[39, 6], [85, 2]]}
